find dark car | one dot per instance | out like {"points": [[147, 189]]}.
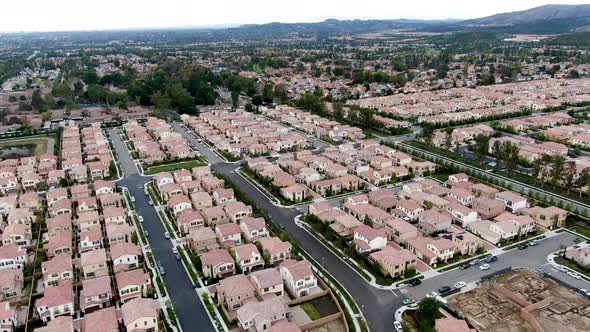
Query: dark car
{"points": [[281, 226], [491, 259], [414, 282], [177, 256], [465, 266], [522, 247], [444, 289]]}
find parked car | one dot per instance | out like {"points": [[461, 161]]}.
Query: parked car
{"points": [[161, 268], [398, 326], [533, 242], [484, 267], [408, 301], [167, 235], [146, 233], [174, 250], [561, 268], [140, 218], [459, 284], [414, 282], [150, 203], [474, 262], [465, 266], [281, 226], [523, 246], [177, 256], [441, 300], [444, 289], [574, 275], [431, 295], [491, 259], [133, 198]]}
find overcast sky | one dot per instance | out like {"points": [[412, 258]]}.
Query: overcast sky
{"points": [[59, 15]]}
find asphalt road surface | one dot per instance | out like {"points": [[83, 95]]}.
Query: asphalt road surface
{"points": [[191, 313]]}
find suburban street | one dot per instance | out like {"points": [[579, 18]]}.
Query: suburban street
{"points": [[378, 305], [191, 313]]}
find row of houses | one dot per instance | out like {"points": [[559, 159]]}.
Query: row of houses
{"points": [[316, 125], [433, 221], [252, 274], [91, 270], [241, 133], [155, 141], [458, 104]]}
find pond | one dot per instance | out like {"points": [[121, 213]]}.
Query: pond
{"points": [[17, 151]]}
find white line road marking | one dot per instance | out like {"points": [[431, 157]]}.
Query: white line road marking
{"points": [[394, 294], [403, 291]]}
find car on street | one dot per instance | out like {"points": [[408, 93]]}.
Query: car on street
{"points": [[484, 267], [459, 284], [167, 235], [582, 291], [431, 295], [140, 218], [408, 301], [398, 326], [465, 266], [491, 259], [146, 233], [441, 300], [561, 268], [474, 262], [414, 282], [444, 289], [133, 198], [523, 246], [174, 250], [150, 203], [533, 243], [161, 268], [281, 226], [574, 275], [177, 256]]}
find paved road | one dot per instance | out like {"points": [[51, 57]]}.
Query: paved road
{"points": [[532, 257], [191, 313], [378, 305]]}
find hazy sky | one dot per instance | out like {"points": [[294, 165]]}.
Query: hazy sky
{"points": [[52, 15]]}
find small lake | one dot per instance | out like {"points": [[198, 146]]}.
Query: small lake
{"points": [[17, 151]]}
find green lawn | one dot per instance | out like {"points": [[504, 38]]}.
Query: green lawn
{"points": [[310, 310], [174, 166]]}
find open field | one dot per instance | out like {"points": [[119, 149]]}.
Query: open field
{"points": [[174, 166]]}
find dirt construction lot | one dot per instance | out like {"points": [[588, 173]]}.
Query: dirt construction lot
{"points": [[523, 301]]}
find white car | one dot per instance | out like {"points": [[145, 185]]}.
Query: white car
{"points": [[459, 284], [441, 300], [133, 198], [150, 203], [398, 326], [140, 218], [574, 275], [431, 295], [167, 235], [174, 250], [561, 268], [484, 267]]}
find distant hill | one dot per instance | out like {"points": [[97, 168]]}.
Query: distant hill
{"points": [[327, 28], [543, 19]]}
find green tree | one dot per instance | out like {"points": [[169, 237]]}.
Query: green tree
{"points": [[557, 170], [449, 138], [428, 133], [482, 145], [37, 102], [569, 175], [235, 99], [281, 94], [338, 112]]}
